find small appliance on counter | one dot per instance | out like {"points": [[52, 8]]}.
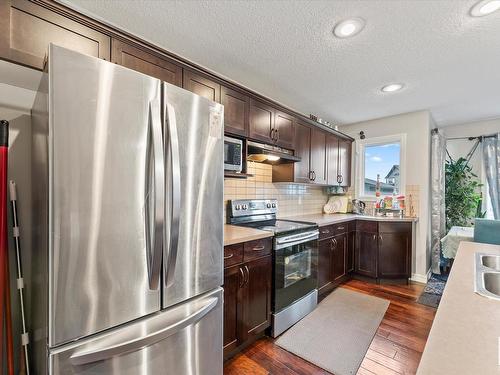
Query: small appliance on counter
{"points": [[295, 249], [358, 207]]}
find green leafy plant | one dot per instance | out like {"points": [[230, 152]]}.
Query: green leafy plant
{"points": [[462, 195]]}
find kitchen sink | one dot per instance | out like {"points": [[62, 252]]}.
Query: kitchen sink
{"points": [[491, 261], [492, 282], [487, 281]]}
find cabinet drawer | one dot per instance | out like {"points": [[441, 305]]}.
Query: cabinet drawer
{"points": [[258, 248], [367, 226], [332, 230], [233, 254], [326, 232], [385, 227]]}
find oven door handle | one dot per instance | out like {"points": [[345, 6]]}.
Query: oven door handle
{"points": [[291, 241]]}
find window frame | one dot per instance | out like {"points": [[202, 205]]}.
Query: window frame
{"points": [[360, 157]]}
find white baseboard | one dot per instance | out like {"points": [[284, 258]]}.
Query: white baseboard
{"points": [[419, 278]]}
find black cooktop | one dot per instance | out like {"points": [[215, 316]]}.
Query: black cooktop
{"points": [[280, 226]]}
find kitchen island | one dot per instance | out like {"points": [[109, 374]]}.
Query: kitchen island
{"points": [[464, 337]]}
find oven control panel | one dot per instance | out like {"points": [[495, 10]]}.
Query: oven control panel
{"points": [[247, 207]]}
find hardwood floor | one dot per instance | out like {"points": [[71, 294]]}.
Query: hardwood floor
{"points": [[395, 349]]}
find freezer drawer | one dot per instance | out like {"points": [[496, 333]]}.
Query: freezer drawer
{"points": [[186, 339]]}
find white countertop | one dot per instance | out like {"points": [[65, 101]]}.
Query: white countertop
{"points": [[464, 338], [327, 219], [234, 234]]}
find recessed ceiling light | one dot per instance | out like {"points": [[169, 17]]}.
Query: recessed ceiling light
{"points": [[392, 87], [485, 7], [348, 28]]}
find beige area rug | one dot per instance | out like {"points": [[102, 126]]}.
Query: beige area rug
{"points": [[337, 334]]}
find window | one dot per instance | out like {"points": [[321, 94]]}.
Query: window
{"points": [[381, 159]]}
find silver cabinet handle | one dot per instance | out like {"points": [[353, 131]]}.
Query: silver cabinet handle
{"points": [[380, 237], [271, 134], [248, 274], [228, 256], [258, 248], [154, 240], [242, 277], [340, 228], [326, 231], [175, 206], [132, 338], [374, 237]]}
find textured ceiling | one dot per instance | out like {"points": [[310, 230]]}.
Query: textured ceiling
{"points": [[449, 61]]}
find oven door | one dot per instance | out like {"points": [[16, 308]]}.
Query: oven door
{"points": [[294, 268]]}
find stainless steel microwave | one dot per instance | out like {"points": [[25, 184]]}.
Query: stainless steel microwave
{"points": [[233, 154]]}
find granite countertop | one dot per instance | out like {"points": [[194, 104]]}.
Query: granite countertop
{"points": [[327, 219], [234, 234], [464, 338]]}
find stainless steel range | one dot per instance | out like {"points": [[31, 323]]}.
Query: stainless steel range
{"points": [[295, 252]]}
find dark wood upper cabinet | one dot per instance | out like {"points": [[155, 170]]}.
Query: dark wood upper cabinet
{"points": [[318, 156], [302, 150], [344, 163], [144, 62], [200, 85], [261, 121], [26, 29], [366, 253], [332, 159], [285, 129], [236, 111]]}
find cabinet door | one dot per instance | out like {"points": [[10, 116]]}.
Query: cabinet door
{"points": [[201, 86], [26, 29], [351, 245], [324, 264], [332, 159], [285, 129], [233, 280], [339, 252], [394, 255], [302, 150], [366, 254], [318, 156], [257, 302], [236, 107], [261, 121], [144, 62], [345, 162]]}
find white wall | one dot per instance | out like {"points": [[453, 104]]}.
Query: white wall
{"points": [[416, 126]]}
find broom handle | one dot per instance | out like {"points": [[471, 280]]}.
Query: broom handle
{"points": [[4, 145], [20, 280]]}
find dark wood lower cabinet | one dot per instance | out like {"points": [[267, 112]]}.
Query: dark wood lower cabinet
{"points": [[394, 252], [339, 255], [257, 294], [324, 264], [351, 246], [247, 298], [232, 309], [366, 254]]}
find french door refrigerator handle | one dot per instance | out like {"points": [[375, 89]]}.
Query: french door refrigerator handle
{"points": [[155, 258], [175, 194], [108, 348]]}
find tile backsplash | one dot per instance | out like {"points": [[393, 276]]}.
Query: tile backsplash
{"points": [[293, 199]]}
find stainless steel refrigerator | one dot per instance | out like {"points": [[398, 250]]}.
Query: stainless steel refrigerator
{"points": [[128, 236]]}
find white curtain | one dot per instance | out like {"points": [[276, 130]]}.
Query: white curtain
{"points": [[491, 157], [438, 220]]}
